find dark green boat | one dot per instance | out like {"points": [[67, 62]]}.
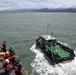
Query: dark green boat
{"points": [[57, 51]]}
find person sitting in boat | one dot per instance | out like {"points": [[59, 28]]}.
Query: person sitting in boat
{"points": [[7, 67], [18, 67], [3, 48]]}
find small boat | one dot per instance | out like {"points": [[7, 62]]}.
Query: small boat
{"points": [[57, 51]]}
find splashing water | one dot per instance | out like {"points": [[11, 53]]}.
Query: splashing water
{"points": [[43, 67]]}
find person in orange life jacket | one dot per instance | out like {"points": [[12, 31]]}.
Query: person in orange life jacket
{"points": [[18, 67], [13, 56], [7, 67], [11, 48], [4, 46], [11, 51], [6, 57]]}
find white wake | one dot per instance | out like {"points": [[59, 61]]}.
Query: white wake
{"points": [[43, 67]]}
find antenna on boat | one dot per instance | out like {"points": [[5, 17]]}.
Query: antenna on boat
{"points": [[47, 30], [48, 25], [51, 33]]}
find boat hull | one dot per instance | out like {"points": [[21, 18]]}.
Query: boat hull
{"points": [[55, 50]]}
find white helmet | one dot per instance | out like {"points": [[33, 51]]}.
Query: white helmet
{"points": [[6, 61]]}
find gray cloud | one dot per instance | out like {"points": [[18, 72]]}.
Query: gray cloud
{"points": [[17, 4]]}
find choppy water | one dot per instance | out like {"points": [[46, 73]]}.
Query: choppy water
{"points": [[21, 30]]}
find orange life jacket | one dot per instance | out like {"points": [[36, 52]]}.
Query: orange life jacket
{"points": [[8, 67], [4, 45], [9, 58], [17, 69]]}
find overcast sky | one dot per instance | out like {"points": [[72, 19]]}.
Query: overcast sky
{"points": [[18, 4]]}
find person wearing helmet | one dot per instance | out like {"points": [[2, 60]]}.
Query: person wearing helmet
{"points": [[7, 67], [13, 56], [10, 51], [7, 55], [4, 46], [18, 67], [11, 48]]}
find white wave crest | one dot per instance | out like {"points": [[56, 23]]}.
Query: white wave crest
{"points": [[43, 67]]}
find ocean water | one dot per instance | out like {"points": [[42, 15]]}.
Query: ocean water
{"points": [[20, 30]]}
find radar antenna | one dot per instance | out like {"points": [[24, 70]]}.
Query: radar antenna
{"points": [[47, 30], [48, 25]]}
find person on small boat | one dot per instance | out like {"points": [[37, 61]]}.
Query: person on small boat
{"points": [[7, 67], [4, 46], [18, 67]]}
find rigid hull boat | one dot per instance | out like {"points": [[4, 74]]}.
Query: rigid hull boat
{"points": [[57, 51]]}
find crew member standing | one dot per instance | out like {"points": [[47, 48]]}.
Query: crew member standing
{"points": [[7, 67], [4, 46], [18, 67]]}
